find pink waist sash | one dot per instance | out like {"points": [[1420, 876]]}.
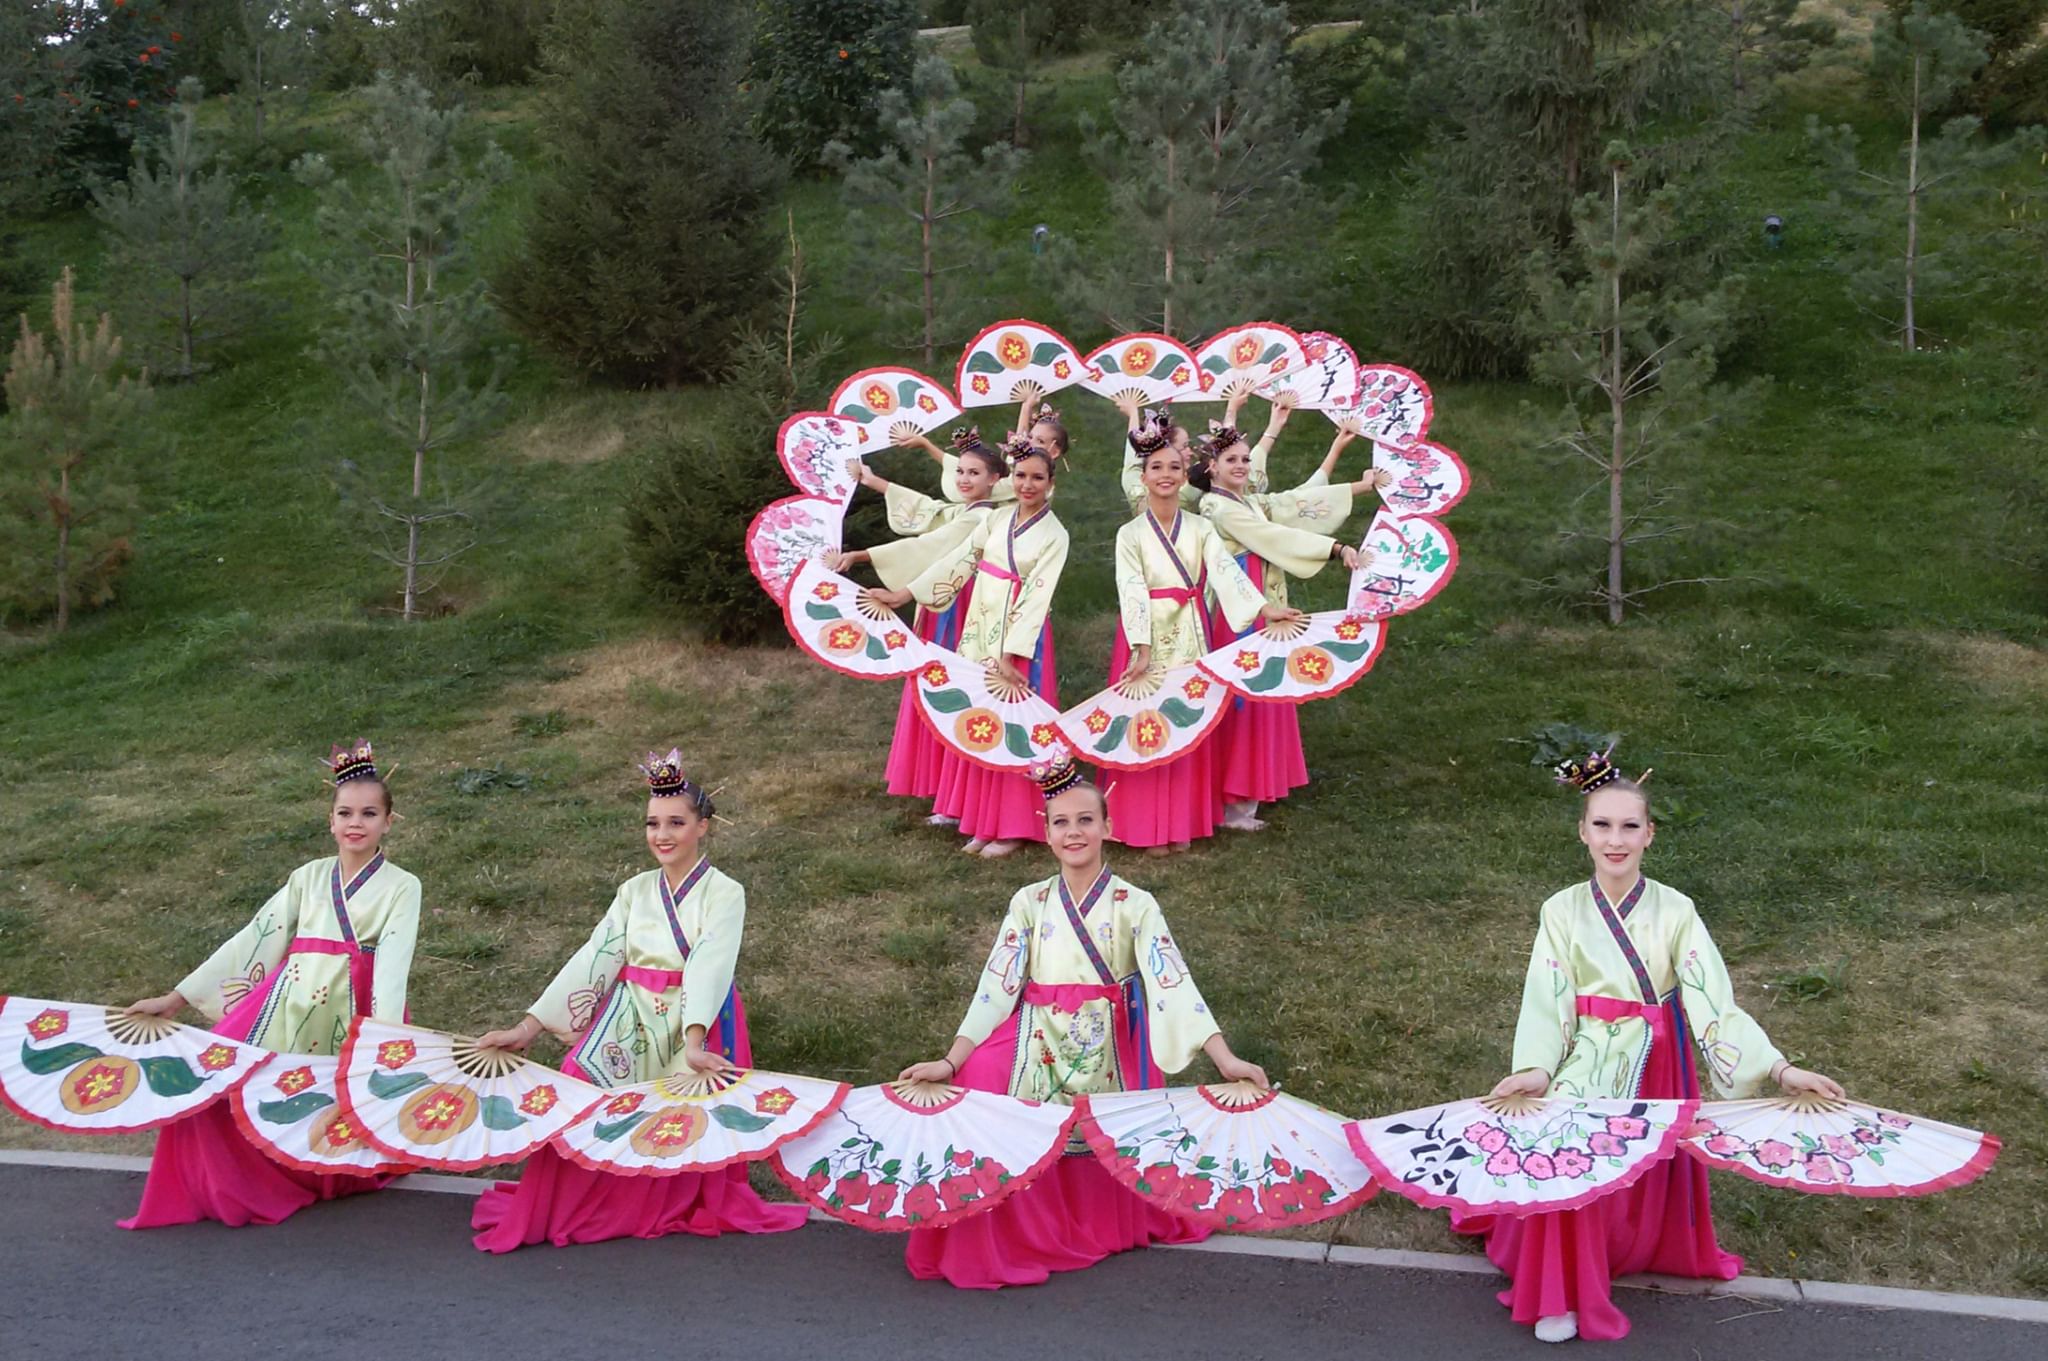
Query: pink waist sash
{"points": [[654, 980], [1179, 595], [1615, 1009], [314, 945], [1069, 996], [984, 565]]}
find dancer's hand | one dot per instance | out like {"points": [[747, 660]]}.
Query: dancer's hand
{"points": [[170, 1004], [1800, 1082], [515, 1038], [1348, 555], [938, 1070], [1234, 1069], [839, 562], [888, 598], [1012, 673], [700, 1060], [1139, 664], [1528, 1082], [1280, 614]]}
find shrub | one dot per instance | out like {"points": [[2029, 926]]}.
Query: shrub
{"points": [[822, 66]]}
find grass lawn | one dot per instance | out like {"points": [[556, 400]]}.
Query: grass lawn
{"points": [[1848, 733]]}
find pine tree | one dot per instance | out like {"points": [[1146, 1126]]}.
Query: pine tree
{"points": [[1012, 38], [1635, 363], [70, 412], [268, 55], [1917, 62], [1205, 155], [410, 332], [185, 246], [1766, 39], [646, 243], [908, 198], [1521, 94]]}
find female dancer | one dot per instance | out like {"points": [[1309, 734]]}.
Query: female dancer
{"points": [[651, 991], [1272, 536], [1084, 992], [1036, 422], [1167, 564], [334, 943], [1626, 994], [1021, 549], [934, 529]]}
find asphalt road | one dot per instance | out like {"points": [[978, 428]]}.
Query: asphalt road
{"points": [[393, 1275]]}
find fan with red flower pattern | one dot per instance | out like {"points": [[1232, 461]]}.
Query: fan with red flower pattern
{"points": [[1846, 1148], [90, 1069], [690, 1122]]}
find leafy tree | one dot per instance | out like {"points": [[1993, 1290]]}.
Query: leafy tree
{"points": [[1634, 363], [689, 507], [908, 198], [70, 413], [1521, 93], [35, 113], [821, 67], [1205, 157], [409, 331], [646, 242], [117, 63], [1012, 38], [185, 245], [1916, 63]]}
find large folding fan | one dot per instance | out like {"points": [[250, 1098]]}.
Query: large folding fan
{"points": [[1242, 358], [1013, 352], [789, 533], [831, 618], [92, 1069], [921, 1155], [815, 448], [983, 715], [1230, 1156], [440, 1101], [1141, 722], [1325, 380], [1296, 660], [1518, 1156], [1152, 368], [692, 1122], [1407, 559], [1428, 478], [1393, 405], [879, 399], [1844, 1148], [292, 1111]]}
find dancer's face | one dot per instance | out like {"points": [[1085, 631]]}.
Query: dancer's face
{"points": [[674, 832], [1166, 472], [1615, 825], [1233, 468], [1030, 479], [973, 478], [360, 817], [1076, 821]]}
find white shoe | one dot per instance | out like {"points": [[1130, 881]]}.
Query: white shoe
{"points": [[996, 850], [1557, 1328], [941, 820]]}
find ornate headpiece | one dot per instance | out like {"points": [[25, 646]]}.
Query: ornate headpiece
{"points": [[1055, 775], [1046, 412], [353, 762], [1017, 446], [1221, 437], [665, 774], [967, 440], [1153, 433], [1589, 774]]}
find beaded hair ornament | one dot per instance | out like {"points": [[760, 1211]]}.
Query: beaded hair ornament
{"points": [[1596, 770], [1152, 433], [967, 440], [1055, 775], [354, 761], [665, 777], [1221, 437], [1046, 412], [1020, 446]]}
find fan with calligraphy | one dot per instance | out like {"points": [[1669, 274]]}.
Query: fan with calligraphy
{"points": [[922, 1155]]}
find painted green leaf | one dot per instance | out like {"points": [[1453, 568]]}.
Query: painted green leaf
{"points": [[391, 1085], [1165, 367], [1273, 352], [741, 1119], [1179, 712], [1107, 363], [44, 1061], [981, 361], [1205, 1163], [611, 1129], [1269, 675], [168, 1075], [499, 1113], [947, 701], [816, 610], [857, 412], [892, 1167], [1046, 351], [907, 390], [1215, 363], [1349, 652], [875, 650], [293, 1110], [1018, 741], [1114, 737]]}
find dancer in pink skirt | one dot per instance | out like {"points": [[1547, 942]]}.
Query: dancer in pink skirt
{"points": [[1273, 536], [934, 530], [334, 943], [1169, 565], [1011, 565], [651, 992], [1626, 994], [1082, 955]]}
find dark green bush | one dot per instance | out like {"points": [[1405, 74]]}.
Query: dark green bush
{"points": [[820, 67]]}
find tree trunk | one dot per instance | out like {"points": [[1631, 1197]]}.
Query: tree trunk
{"points": [[931, 175], [1913, 207], [1023, 54], [185, 328], [1735, 17], [1166, 308], [63, 547], [1617, 415]]}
